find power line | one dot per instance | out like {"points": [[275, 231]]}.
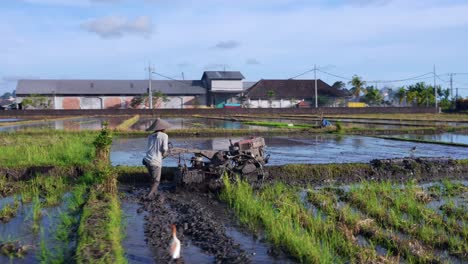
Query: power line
{"points": [[419, 77], [334, 75], [299, 75], [438, 77]]}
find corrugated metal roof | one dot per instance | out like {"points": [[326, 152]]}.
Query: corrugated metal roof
{"points": [[298, 89], [223, 75], [108, 87], [247, 85]]}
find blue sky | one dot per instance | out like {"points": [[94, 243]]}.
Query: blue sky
{"points": [[271, 39]]}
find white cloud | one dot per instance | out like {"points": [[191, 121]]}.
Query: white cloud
{"points": [[117, 26], [252, 61], [229, 44]]}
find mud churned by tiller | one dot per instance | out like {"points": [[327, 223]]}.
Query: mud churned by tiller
{"points": [[195, 225]]}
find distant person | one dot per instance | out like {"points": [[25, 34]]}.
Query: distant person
{"points": [[325, 123], [156, 151]]}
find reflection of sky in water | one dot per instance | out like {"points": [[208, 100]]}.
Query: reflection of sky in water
{"points": [[9, 119], [181, 123], [80, 123], [444, 137], [284, 150], [400, 123]]}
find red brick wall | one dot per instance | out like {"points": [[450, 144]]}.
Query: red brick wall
{"points": [[112, 103], [71, 103]]}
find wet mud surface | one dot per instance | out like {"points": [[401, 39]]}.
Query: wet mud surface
{"points": [[206, 228]]}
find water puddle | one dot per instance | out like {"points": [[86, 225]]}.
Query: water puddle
{"points": [[136, 249], [193, 254]]}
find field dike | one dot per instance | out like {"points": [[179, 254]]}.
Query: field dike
{"points": [[400, 170]]}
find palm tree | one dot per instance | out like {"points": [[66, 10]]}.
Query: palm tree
{"points": [[270, 95], [400, 94], [339, 85], [357, 84], [373, 95]]}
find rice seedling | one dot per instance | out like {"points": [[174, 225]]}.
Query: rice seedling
{"points": [[9, 211], [53, 189], [411, 250], [65, 232], [398, 208], [288, 224], [36, 212], [451, 210], [452, 188]]}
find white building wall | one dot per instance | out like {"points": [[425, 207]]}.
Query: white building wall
{"points": [[226, 85], [257, 103]]}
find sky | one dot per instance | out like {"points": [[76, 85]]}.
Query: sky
{"points": [[264, 39]]}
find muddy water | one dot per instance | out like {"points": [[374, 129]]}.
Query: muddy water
{"points": [[9, 120], [136, 249], [444, 137], [183, 123], [286, 150], [77, 123]]}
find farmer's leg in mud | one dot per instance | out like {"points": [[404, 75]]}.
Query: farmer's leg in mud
{"points": [[155, 174]]}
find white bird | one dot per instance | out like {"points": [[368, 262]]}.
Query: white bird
{"points": [[175, 244]]}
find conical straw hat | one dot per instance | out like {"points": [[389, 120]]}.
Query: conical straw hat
{"points": [[159, 124]]}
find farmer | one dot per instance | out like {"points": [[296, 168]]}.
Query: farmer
{"points": [[325, 123], [157, 149]]}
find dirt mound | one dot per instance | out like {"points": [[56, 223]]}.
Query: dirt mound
{"points": [[194, 222], [401, 169]]}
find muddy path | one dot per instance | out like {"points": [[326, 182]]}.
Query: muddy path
{"points": [[207, 229]]}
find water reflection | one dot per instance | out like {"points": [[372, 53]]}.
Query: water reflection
{"points": [[444, 137], [284, 150]]}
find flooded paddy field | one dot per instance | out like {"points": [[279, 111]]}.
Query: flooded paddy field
{"points": [[444, 137], [144, 122], [183, 123], [286, 150], [76, 123]]}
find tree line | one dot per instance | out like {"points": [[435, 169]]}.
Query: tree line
{"points": [[418, 94]]}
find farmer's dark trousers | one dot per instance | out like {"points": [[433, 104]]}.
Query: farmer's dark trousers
{"points": [[154, 171]]}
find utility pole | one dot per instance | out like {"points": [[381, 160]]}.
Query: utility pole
{"points": [[150, 92], [456, 96], [315, 77], [183, 77], [435, 90], [451, 84]]}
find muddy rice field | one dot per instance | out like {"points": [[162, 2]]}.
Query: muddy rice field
{"points": [[75, 192]]}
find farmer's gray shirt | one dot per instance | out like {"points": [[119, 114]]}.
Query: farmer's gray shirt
{"points": [[156, 148]]}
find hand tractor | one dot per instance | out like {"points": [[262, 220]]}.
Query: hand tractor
{"points": [[245, 158]]}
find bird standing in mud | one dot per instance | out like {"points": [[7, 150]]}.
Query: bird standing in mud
{"points": [[412, 151], [175, 244]]}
